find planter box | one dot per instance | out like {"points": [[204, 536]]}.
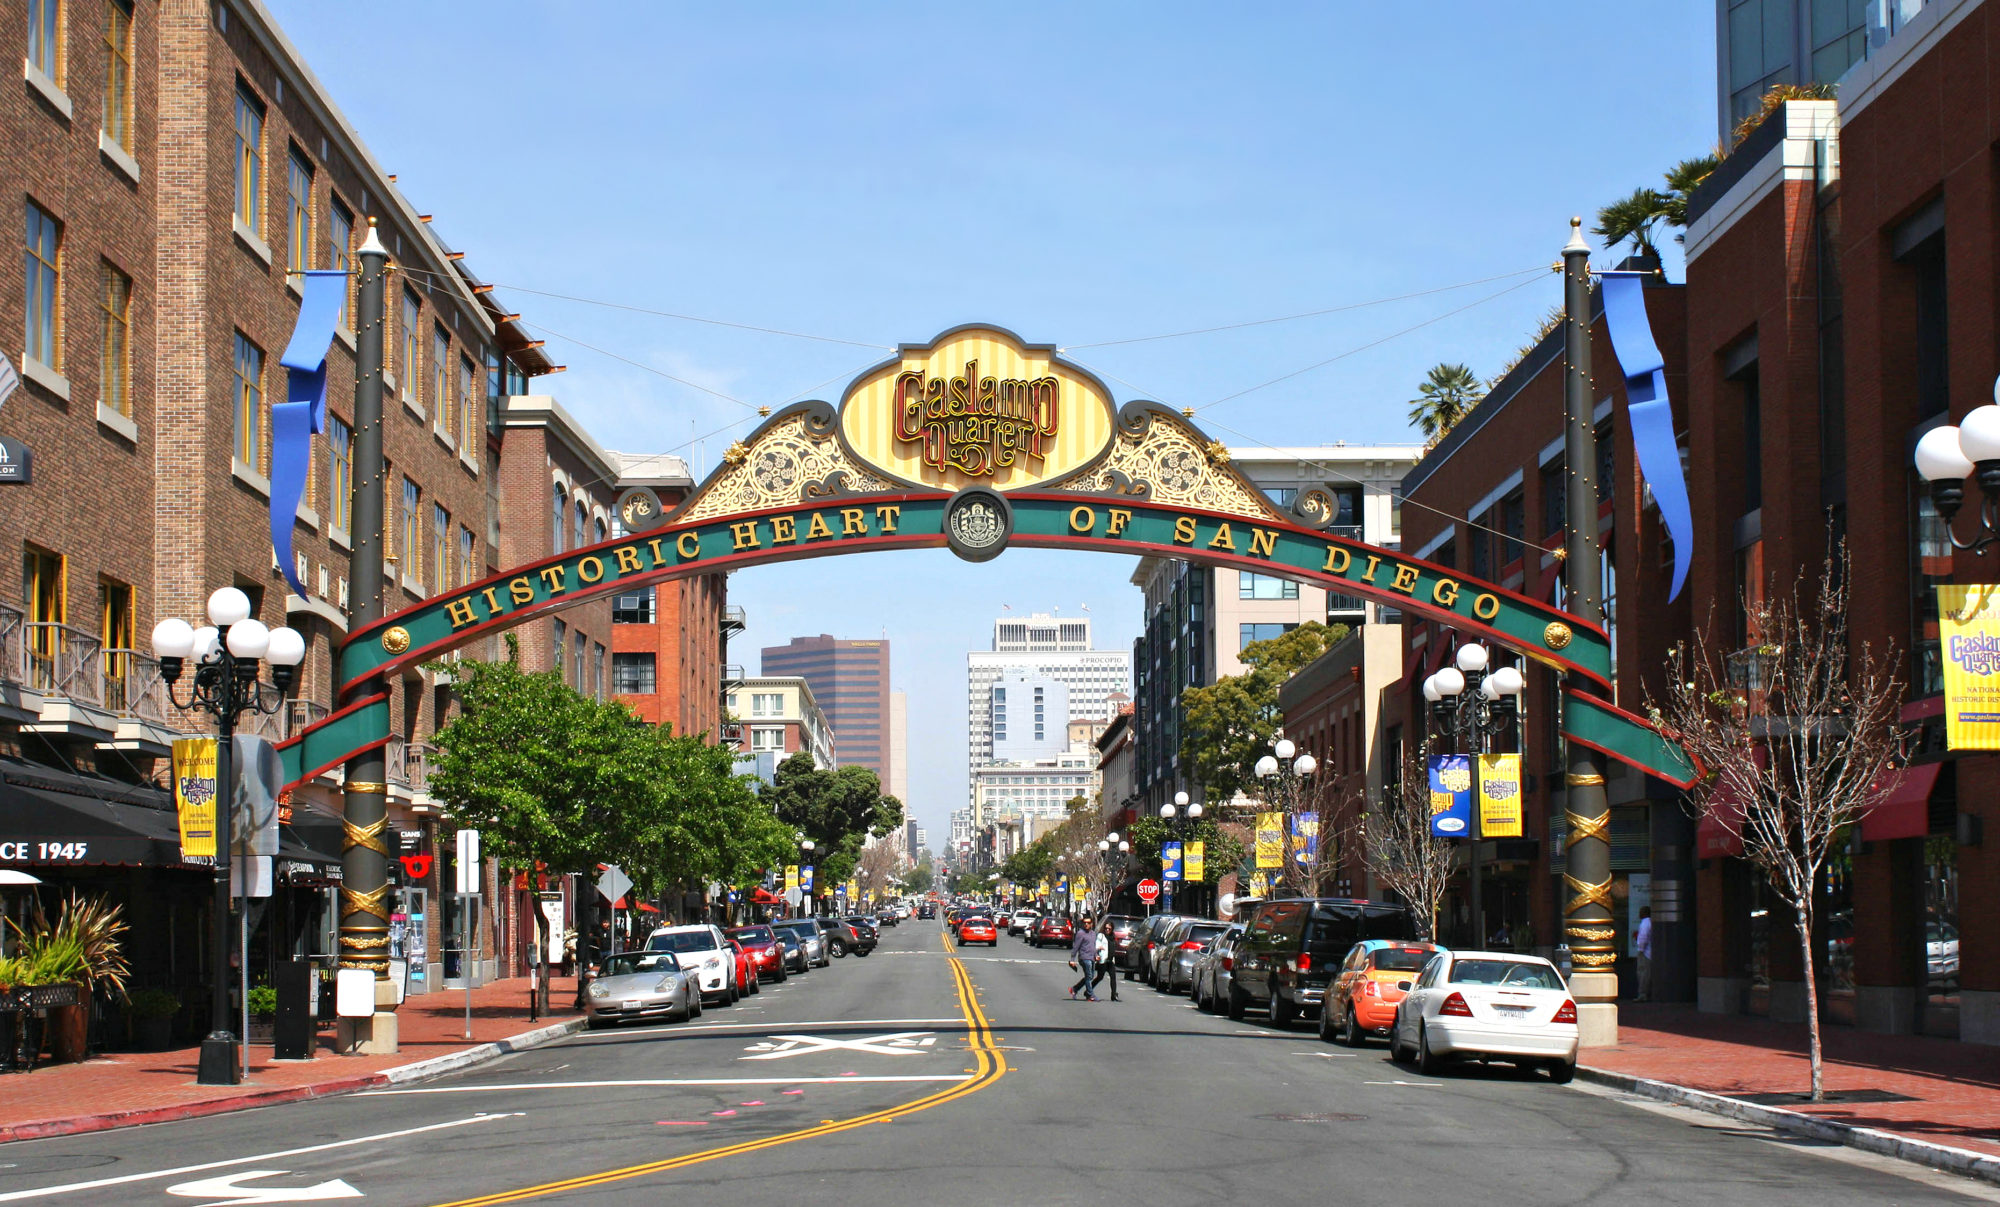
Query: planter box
{"points": [[48, 997], [262, 1030]]}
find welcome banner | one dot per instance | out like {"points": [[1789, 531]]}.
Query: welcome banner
{"points": [[1270, 840], [1969, 634], [194, 798], [1499, 796], [1194, 863]]}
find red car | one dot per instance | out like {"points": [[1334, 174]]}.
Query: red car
{"points": [[978, 928], [747, 981], [764, 954], [1053, 929]]}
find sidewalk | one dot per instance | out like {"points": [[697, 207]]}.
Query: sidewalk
{"points": [[1930, 1090], [124, 1089]]}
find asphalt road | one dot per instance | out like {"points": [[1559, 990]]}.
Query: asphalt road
{"points": [[919, 1077]]}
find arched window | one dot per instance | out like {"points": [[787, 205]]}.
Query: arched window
{"points": [[561, 515], [582, 524], [599, 530]]}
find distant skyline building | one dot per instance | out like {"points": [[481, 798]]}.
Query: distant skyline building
{"points": [[898, 782], [1030, 716], [1760, 44], [1053, 650], [850, 681]]}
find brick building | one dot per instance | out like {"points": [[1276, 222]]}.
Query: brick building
{"points": [[670, 643]]}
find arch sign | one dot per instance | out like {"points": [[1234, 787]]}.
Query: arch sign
{"points": [[977, 442]]}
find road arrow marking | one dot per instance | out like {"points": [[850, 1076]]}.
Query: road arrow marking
{"points": [[228, 1191]]}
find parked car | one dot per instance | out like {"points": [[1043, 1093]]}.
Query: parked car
{"points": [[888, 917], [1184, 945], [978, 928], [927, 910], [807, 931], [1212, 969], [841, 937], [747, 980], [1020, 921], [704, 950], [1291, 949], [797, 959], [866, 933], [1120, 928], [767, 954], [641, 985], [1145, 941], [1364, 994], [1487, 1004], [1052, 928]]}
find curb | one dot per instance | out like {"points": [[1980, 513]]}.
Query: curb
{"points": [[1945, 1157], [420, 1070]]}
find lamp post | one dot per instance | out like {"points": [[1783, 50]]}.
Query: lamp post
{"points": [[1112, 852], [806, 894], [1177, 813], [1288, 768], [1946, 456], [1473, 703], [226, 653]]}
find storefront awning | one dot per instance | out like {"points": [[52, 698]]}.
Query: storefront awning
{"points": [[41, 827], [1902, 807], [1720, 830]]}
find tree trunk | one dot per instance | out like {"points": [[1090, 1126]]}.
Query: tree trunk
{"points": [[1812, 1005]]}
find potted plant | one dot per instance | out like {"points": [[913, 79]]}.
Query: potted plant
{"points": [[152, 1012], [80, 954], [262, 1004]]}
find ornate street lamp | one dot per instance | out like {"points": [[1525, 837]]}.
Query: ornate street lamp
{"points": [[1177, 813], [1946, 456], [1286, 767], [226, 653], [1472, 702]]}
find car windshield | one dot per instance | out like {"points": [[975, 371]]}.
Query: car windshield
{"points": [[630, 963], [1512, 973], [1402, 959], [752, 934], [685, 940]]}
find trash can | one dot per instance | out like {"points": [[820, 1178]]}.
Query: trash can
{"points": [[292, 1037]]}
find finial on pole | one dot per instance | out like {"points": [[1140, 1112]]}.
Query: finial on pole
{"points": [[372, 245], [1576, 242]]}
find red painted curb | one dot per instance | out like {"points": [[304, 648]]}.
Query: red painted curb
{"points": [[187, 1110]]}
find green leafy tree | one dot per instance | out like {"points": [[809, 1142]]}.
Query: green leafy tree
{"points": [[1222, 850], [838, 809], [920, 878], [1229, 723], [1447, 395], [1027, 866]]}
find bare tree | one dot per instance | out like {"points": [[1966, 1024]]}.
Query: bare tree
{"points": [[877, 870], [1795, 733], [1400, 849], [1314, 809]]}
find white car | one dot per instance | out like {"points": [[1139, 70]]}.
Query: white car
{"points": [[1021, 921], [703, 951], [1487, 1004]]}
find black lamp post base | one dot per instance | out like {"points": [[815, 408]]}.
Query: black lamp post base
{"points": [[218, 1060]]}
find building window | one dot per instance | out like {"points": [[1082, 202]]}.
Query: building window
{"points": [[466, 409], [339, 474], [632, 674], [409, 534], [45, 38], [1264, 586], [117, 119], [44, 589], [633, 607], [298, 193], [1250, 633], [249, 401], [1513, 526], [412, 349], [582, 525], [1760, 53], [114, 610], [767, 704], [1283, 496], [249, 161], [340, 240], [114, 359], [1338, 604], [1933, 553], [597, 670], [576, 659], [440, 549], [562, 638], [560, 516], [597, 531], [44, 292], [468, 557], [1753, 438], [767, 739], [1555, 498], [440, 381], [1933, 346], [492, 391]]}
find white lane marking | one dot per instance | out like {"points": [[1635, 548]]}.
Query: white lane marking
{"points": [[233, 1194], [1422, 1085], [655, 1081], [822, 1022], [126, 1179], [901, 1043]]}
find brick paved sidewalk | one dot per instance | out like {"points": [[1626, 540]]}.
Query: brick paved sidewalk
{"points": [[1936, 1090], [160, 1085]]}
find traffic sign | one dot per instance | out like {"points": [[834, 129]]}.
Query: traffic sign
{"points": [[1149, 891]]}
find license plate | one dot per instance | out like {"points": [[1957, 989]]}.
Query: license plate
{"points": [[1513, 1009], [633, 1005]]}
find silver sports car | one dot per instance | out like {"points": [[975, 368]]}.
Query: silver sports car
{"points": [[641, 984]]}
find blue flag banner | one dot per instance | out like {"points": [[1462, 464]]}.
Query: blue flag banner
{"points": [[295, 421], [1170, 861], [1451, 795], [1652, 417]]}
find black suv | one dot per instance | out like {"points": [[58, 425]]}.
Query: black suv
{"points": [[1291, 950]]}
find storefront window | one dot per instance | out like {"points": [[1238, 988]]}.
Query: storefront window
{"points": [[1940, 881]]}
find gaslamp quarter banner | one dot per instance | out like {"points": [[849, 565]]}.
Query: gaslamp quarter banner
{"points": [[1969, 631]]}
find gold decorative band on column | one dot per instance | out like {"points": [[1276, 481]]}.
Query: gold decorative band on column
{"points": [[371, 903], [364, 942], [1593, 959], [366, 787], [1598, 933], [1587, 895], [1581, 827], [374, 964], [1583, 779], [369, 836]]}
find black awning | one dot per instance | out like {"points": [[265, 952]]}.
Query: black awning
{"points": [[41, 827]]}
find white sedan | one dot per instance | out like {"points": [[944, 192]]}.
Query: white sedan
{"points": [[1488, 1004]]}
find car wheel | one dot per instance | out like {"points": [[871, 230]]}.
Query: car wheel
{"points": [[1428, 1062], [1325, 1027], [1352, 1034], [1562, 1071], [756, 984], [694, 1004], [1238, 1003], [1282, 1011]]}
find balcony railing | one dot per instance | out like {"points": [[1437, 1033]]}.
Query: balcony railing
{"points": [[302, 715], [13, 645], [409, 763], [133, 687], [733, 618], [63, 660], [732, 676]]}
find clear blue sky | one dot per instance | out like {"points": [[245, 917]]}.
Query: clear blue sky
{"points": [[1082, 173]]}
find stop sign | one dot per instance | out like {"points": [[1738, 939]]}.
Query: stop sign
{"points": [[1149, 891]]}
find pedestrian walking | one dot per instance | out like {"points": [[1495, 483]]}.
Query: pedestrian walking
{"points": [[1105, 966], [1083, 956], [1642, 947]]}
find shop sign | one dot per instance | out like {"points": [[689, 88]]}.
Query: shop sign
{"points": [[1451, 795], [1270, 840], [1499, 796], [1969, 630], [17, 462], [194, 798]]}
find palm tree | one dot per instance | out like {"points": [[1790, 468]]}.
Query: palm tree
{"points": [[1633, 218], [1681, 181], [1448, 395]]}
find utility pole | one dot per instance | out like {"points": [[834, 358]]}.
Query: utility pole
{"points": [[364, 894], [1587, 921]]}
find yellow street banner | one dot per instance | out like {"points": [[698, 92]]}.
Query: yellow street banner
{"points": [[791, 877], [1080, 888], [1969, 632], [1191, 863], [1043, 888], [1270, 840], [194, 797], [1499, 796]]}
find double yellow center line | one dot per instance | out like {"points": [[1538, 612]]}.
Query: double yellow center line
{"points": [[989, 1066]]}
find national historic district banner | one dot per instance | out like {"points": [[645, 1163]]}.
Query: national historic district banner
{"points": [[1193, 862], [194, 798], [1499, 796], [1170, 861], [1270, 840], [1451, 795], [1969, 631]]}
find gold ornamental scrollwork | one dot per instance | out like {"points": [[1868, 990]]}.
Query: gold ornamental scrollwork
{"points": [[1593, 959], [1583, 779], [367, 786], [1581, 827], [373, 903], [369, 836], [364, 942], [1595, 933], [1587, 895], [1159, 457], [794, 462]]}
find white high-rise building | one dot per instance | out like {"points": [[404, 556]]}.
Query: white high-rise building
{"points": [[1039, 647], [1029, 714]]}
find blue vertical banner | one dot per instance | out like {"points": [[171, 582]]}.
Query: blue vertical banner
{"points": [[806, 880], [1451, 795], [295, 421], [1650, 414], [1170, 861], [1305, 839]]}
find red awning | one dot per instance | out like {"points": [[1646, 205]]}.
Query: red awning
{"points": [[764, 896], [1720, 830], [648, 909], [1902, 807]]}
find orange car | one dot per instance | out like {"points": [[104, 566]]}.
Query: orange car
{"points": [[1372, 979], [978, 928]]}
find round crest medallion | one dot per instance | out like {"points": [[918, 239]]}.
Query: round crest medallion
{"points": [[977, 523], [395, 639]]}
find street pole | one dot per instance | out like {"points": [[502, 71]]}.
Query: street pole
{"points": [[364, 894], [218, 1064], [1587, 922]]}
